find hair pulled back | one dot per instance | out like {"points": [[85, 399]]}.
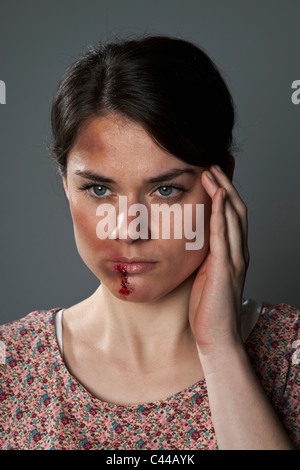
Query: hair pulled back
{"points": [[167, 85]]}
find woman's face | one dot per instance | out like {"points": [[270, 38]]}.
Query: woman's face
{"points": [[114, 157]]}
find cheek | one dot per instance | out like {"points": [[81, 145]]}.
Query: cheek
{"points": [[84, 223], [194, 224], [182, 257], [189, 252]]}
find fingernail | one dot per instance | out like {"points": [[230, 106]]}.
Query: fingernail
{"points": [[209, 174], [217, 167]]}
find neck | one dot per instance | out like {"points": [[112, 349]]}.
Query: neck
{"points": [[144, 333]]}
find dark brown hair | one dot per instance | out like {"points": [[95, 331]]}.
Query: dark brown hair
{"points": [[167, 85]]}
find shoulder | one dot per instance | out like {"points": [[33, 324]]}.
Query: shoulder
{"points": [[20, 338], [28, 353], [277, 325], [274, 346], [274, 350], [281, 312], [274, 339], [34, 322]]}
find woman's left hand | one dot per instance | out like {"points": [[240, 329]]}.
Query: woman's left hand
{"points": [[216, 295]]}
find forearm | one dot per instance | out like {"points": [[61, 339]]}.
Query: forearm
{"points": [[242, 415]]}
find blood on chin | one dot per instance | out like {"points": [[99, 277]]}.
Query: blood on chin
{"points": [[125, 288]]}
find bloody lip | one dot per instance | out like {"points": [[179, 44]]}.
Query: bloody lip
{"points": [[134, 267], [125, 290]]}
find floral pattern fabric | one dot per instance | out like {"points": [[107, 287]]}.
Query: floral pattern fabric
{"points": [[42, 406]]}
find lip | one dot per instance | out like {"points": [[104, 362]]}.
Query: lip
{"points": [[132, 260], [132, 267]]}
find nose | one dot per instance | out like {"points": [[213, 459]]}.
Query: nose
{"points": [[132, 222]]}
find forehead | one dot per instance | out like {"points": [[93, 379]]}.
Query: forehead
{"points": [[115, 140], [103, 133]]}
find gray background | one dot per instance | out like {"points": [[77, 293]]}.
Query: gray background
{"points": [[256, 46]]}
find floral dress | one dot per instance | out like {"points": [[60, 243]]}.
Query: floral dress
{"points": [[42, 406]]}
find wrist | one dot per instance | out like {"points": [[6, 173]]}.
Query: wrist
{"points": [[221, 357]]}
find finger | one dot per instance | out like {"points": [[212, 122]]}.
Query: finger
{"points": [[234, 197], [226, 183], [219, 247], [221, 179], [235, 237], [234, 229]]}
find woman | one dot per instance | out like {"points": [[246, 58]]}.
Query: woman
{"points": [[164, 354]]}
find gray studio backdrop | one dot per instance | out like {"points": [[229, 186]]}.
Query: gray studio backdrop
{"points": [[255, 44]]}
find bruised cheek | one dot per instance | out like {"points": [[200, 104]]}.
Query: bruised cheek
{"points": [[84, 228]]}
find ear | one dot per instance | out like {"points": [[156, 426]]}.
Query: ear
{"points": [[65, 184], [229, 170]]}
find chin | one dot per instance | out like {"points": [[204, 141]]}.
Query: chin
{"points": [[135, 290], [141, 290]]}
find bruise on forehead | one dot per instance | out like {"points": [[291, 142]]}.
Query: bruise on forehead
{"points": [[95, 134]]}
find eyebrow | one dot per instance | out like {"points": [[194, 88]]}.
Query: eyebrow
{"points": [[90, 175]]}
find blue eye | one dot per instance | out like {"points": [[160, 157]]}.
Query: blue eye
{"points": [[165, 190], [95, 190], [99, 190]]}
